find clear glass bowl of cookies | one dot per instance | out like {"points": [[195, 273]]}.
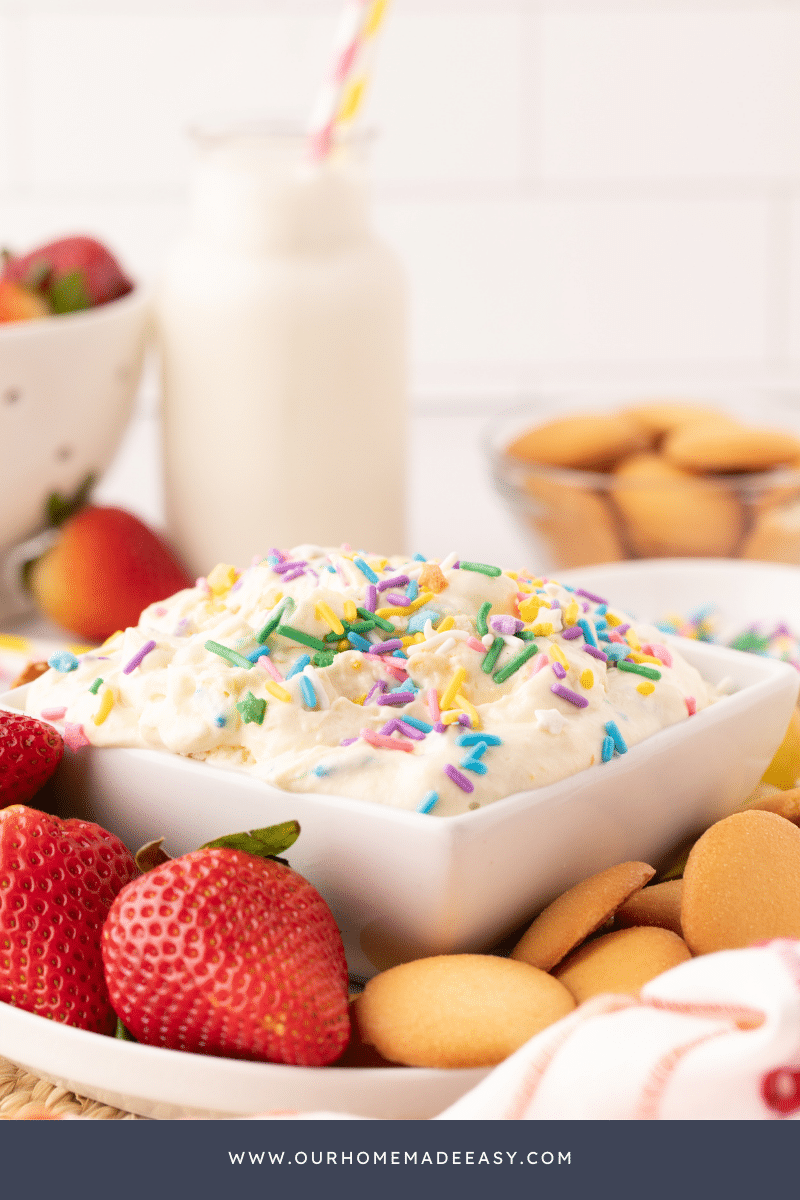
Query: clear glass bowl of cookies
{"points": [[607, 478]]}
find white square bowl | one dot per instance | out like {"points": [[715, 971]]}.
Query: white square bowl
{"points": [[404, 885]]}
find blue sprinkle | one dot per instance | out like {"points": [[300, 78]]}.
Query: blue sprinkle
{"points": [[602, 636], [601, 624], [565, 586], [421, 558], [472, 739], [422, 726], [366, 570], [412, 591], [220, 721], [398, 654], [601, 610], [608, 749], [474, 764], [256, 654], [320, 769], [619, 741], [358, 642], [416, 622], [299, 666], [307, 688], [615, 651], [479, 749], [331, 569], [63, 661], [588, 632], [427, 802]]}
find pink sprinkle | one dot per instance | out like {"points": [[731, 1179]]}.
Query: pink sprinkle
{"points": [[138, 657], [691, 705], [432, 699], [475, 644], [386, 743], [203, 584], [52, 714], [539, 663], [616, 637], [458, 779], [269, 666], [659, 651], [74, 736], [399, 673], [160, 611]]}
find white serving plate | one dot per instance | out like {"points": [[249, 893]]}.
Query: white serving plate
{"points": [[172, 1084], [405, 885]]}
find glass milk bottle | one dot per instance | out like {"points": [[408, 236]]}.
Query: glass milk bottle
{"points": [[282, 323]]}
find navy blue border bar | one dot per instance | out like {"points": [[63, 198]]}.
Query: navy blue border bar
{"points": [[218, 1160]]}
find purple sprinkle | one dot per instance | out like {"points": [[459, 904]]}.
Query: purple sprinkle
{"points": [[396, 698], [554, 604], [571, 633], [591, 596], [464, 720], [459, 779], [371, 602], [403, 727], [595, 653], [281, 557], [347, 741], [281, 567], [396, 598], [504, 624], [440, 727], [294, 574], [622, 629], [238, 584], [137, 658], [395, 581], [559, 671], [389, 727], [585, 607], [387, 646], [456, 565], [565, 693], [378, 687]]}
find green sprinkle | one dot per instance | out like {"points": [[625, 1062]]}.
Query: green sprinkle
{"points": [[335, 637], [381, 622], [481, 568], [516, 662], [252, 709], [526, 635], [362, 626], [95, 688], [480, 620], [492, 655], [323, 658], [638, 669], [297, 635], [231, 656], [274, 621]]}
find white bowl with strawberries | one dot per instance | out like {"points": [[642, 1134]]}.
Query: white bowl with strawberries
{"points": [[73, 329]]}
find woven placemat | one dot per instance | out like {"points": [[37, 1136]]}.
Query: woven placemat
{"points": [[23, 1096]]}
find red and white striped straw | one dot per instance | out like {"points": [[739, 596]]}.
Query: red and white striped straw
{"points": [[341, 97]]}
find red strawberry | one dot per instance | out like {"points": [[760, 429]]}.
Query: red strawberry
{"points": [[73, 273], [222, 952], [30, 751], [104, 569], [57, 882]]}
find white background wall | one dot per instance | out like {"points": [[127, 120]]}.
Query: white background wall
{"points": [[581, 189]]}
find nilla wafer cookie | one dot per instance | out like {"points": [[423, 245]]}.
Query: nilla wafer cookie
{"points": [[457, 1010], [742, 883], [659, 904], [623, 961], [577, 913]]}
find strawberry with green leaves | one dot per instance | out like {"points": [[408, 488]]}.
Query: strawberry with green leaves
{"points": [[228, 951], [71, 273], [58, 879]]}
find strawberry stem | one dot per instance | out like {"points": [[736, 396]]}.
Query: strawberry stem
{"points": [[264, 843]]}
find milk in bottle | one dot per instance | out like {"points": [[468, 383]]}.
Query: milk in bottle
{"points": [[282, 323]]}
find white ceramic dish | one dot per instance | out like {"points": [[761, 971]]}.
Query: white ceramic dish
{"points": [[170, 1084], [402, 885]]}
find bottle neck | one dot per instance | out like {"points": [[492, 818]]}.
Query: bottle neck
{"points": [[259, 195]]}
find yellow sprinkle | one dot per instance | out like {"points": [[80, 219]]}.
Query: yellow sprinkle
{"points": [[411, 639], [529, 609], [221, 579], [79, 647], [449, 694], [612, 620], [512, 574], [558, 654], [350, 612], [109, 640], [638, 657], [360, 699], [277, 691], [324, 612], [345, 645], [632, 639], [645, 687], [587, 679], [105, 707], [543, 629], [571, 613], [469, 709], [445, 623], [382, 564], [393, 610], [450, 717], [355, 663], [522, 586], [9, 642]]}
